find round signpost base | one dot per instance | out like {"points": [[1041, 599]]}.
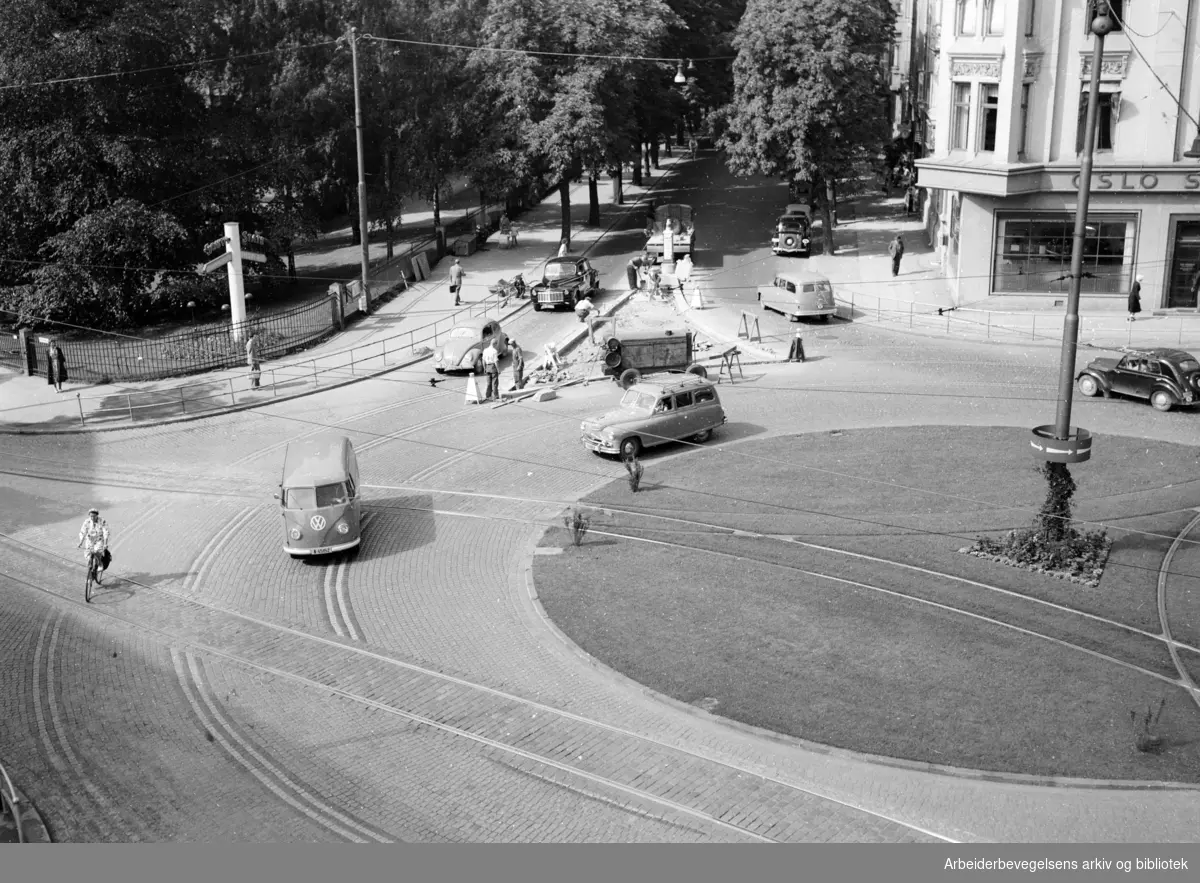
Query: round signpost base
{"points": [[1075, 448]]}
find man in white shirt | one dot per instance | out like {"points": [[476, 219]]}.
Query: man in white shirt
{"points": [[491, 367]]}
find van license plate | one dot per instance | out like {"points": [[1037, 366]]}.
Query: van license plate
{"points": [[321, 550]]}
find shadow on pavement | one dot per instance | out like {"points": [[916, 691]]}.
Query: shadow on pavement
{"points": [[399, 524]]}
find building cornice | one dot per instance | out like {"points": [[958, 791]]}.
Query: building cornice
{"points": [[1113, 66], [971, 175], [976, 65]]}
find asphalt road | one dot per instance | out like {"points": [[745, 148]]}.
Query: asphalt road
{"points": [[218, 690]]}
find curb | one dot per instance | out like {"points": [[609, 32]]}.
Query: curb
{"points": [[32, 825]]}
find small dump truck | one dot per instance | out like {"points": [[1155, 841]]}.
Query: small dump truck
{"points": [[628, 357]]}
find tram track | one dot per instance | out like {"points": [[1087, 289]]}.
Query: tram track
{"points": [[594, 753]]}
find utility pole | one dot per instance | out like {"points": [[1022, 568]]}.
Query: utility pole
{"points": [[362, 181]]}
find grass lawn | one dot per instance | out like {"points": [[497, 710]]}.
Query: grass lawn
{"points": [[761, 642]]}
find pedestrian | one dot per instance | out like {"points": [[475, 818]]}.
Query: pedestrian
{"points": [[564, 248], [1135, 298], [56, 366], [583, 308], [252, 356], [456, 276], [896, 250], [491, 367], [518, 365], [912, 198]]}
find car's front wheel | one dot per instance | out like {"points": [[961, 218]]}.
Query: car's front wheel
{"points": [[1088, 385], [1162, 400], [702, 436], [630, 447]]}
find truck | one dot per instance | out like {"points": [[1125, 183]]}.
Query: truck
{"points": [[682, 223]]}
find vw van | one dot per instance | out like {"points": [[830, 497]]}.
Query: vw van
{"points": [[798, 294], [319, 496]]}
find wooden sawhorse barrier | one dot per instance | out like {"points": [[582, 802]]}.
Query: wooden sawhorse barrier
{"points": [[748, 321], [730, 359]]}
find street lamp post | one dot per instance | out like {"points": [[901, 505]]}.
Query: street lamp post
{"points": [[362, 181], [1058, 444]]}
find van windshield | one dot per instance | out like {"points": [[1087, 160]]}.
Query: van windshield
{"points": [[316, 497]]}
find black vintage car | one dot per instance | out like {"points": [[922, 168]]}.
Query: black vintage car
{"points": [[1164, 376], [565, 282]]}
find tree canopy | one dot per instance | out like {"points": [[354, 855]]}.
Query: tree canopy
{"points": [[810, 95]]}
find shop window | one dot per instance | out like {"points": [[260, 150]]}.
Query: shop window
{"points": [[967, 17], [989, 113], [993, 14], [1024, 143], [1107, 112], [960, 122], [1183, 281], [1033, 254]]}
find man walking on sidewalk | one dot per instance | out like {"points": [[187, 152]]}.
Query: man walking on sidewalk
{"points": [[252, 360], [491, 367], [456, 277], [896, 250]]}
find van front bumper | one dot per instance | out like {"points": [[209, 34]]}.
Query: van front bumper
{"points": [[322, 550]]}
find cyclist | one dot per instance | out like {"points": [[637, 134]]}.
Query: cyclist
{"points": [[93, 537]]}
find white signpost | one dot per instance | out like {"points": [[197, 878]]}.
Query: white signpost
{"points": [[233, 257]]}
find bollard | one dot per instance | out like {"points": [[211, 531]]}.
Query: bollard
{"points": [[314, 364], [988, 314], [79, 400], [1033, 331], [274, 390], [384, 342], [232, 400], [910, 312], [351, 361], [182, 403]]}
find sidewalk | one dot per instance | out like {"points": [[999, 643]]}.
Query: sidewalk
{"points": [[401, 332], [866, 293]]}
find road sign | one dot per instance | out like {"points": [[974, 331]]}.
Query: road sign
{"points": [[216, 262], [216, 245], [1076, 448], [254, 256]]}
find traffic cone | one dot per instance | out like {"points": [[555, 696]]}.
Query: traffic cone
{"points": [[473, 397], [697, 298]]}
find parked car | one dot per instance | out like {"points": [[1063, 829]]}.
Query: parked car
{"points": [[565, 282], [667, 349], [1164, 376], [658, 409], [792, 235], [463, 349], [797, 294]]}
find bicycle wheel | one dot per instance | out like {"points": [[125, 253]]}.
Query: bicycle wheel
{"points": [[90, 579]]}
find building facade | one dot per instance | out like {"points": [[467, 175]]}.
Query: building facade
{"points": [[1008, 108]]}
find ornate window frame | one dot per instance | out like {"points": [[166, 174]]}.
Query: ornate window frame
{"points": [[976, 66]]}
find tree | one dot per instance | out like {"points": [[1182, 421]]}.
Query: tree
{"points": [[809, 91], [568, 105]]}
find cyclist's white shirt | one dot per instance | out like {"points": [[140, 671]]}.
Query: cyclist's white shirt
{"points": [[94, 535]]}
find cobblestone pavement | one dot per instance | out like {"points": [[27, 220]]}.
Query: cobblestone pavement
{"points": [[218, 690]]}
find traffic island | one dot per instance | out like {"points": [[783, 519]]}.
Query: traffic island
{"points": [[824, 598]]}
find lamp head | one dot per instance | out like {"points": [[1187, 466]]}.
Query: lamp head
{"points": [[1102, 24], [679, 77], [1194, 153]]}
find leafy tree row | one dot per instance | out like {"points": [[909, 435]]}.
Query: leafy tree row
{"points": [[130, 131]]}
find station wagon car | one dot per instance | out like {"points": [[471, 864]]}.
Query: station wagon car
{"points": [[1166, 377], [565, 281], [464, 346], [658, 409], [799, 294]]}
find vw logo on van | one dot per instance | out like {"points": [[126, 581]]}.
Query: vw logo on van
{"points": [[317, 522]]}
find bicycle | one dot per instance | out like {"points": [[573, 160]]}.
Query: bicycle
{"points": [[93, 576]]}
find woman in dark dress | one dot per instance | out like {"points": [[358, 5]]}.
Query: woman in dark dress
{"points": [[56, 367], [1135, 298]]}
